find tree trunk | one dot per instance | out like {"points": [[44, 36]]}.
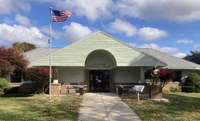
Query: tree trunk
{"points": [[155, 92]]}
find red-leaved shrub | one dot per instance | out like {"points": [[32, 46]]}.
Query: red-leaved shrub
{"points": [[40, 78]]}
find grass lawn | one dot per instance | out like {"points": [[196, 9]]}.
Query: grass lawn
{"points": [[38, 108], [182, 107]]}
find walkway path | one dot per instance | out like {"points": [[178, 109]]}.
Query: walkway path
{"points": [[105, 107]]}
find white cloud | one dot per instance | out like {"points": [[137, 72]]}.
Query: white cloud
{"points": [[148, 33], [178, 10], [169, 50], [22, 20], [72, 32], [12, 6], [119, 26], [184, 41], [145, 33], [18, 33], [55, 33], [91, 9], [180, 55]]}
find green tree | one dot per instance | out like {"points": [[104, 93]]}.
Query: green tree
{"points": [[3, 85], [194, 57], [23, 47]]}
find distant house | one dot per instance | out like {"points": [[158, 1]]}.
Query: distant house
{"points": [[100, 61]]}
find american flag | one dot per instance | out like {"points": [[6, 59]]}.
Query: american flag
{"points": [[60, 16]]}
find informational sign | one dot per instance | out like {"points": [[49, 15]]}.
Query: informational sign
{"points": [[138, 88], [99, 65]]}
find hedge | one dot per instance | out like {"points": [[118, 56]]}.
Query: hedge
{"points": [[192, 83]]}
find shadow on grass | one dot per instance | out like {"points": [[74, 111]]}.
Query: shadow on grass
{"points": [[182, 106], [180, 103], [17, 95]]}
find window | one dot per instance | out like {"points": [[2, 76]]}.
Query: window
{"points": [[16, 77], [178, 76]]}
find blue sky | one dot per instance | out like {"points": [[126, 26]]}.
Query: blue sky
{"points": [[166, 25]]}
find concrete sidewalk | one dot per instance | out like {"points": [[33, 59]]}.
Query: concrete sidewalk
{"points": [[105, 107]]}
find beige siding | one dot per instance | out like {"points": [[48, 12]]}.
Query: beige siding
{"points": [[100, 60], [70, 75], [127, 75], [7, 77], [76, 54]]}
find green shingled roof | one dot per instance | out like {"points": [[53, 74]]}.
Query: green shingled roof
{"points": [[76, 53]]}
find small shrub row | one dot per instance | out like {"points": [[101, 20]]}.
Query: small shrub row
{"points": [[172, 89], [175, 89]]}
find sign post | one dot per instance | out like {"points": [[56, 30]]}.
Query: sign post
{"points": [[138, 96], [138, 89]]}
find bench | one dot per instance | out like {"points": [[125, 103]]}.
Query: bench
{"points": [[126, 88], [74, 88]]}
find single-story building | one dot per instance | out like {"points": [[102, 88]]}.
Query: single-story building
{"points": [[101, 61]]}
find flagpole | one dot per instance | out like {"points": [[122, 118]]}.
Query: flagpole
{"points": [[50, 39]]}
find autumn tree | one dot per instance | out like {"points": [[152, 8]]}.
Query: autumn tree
{"points": [[23, 47], [11, 61], [194, 57], [158, 78], [5, 67]]}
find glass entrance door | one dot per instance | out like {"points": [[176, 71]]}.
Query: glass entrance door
{"points": [[99, 81]]}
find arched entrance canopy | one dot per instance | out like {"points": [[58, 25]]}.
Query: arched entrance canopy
{"points": [[100, 60], [99, 64]]}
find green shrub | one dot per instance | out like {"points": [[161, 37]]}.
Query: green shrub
{"points": [[192, 83], [3, 85], [1, 91]]}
